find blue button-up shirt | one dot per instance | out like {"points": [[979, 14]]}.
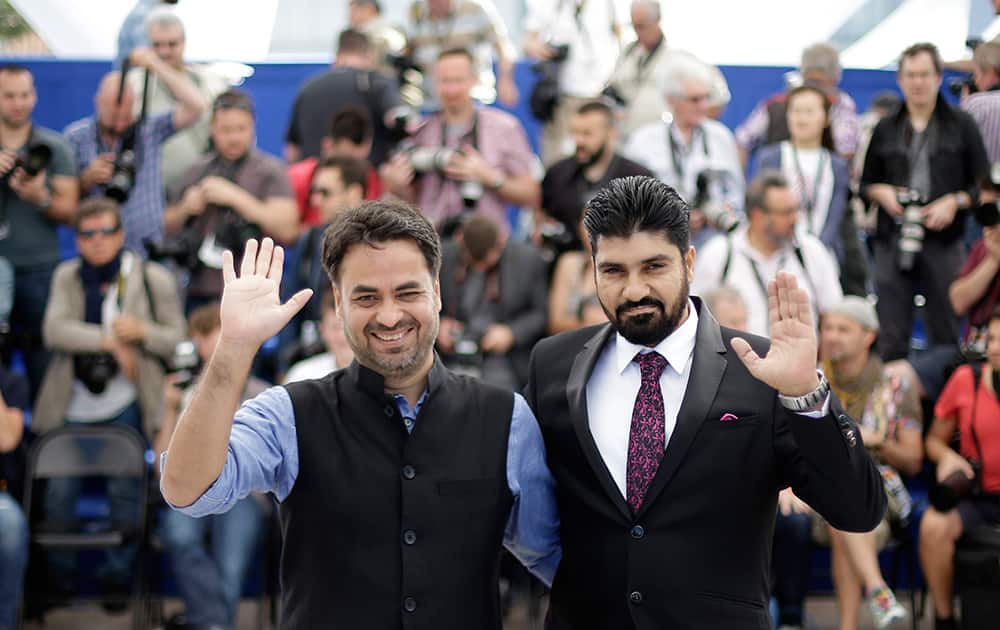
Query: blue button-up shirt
{"points": [[142, 214], [263, 457]]}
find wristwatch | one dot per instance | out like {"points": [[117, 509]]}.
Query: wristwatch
{"points": [[810, 400], [497, 182]]}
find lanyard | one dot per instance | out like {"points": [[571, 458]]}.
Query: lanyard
{"points": [[677, 154], [781, 265], [810, 202], [472, 133]]}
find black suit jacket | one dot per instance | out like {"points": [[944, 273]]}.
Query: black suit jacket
{"points": [[523, 296], [697, 554]]}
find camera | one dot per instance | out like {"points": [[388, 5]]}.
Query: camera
{"points": [[911, 230], [987, 214], [614, 96], [232, 231], [435, 159], [962, 85], [945, 496], [718, 214], [95, 370], [35, 159], [401, 122], [185, 363], [411, 78], [183, 249], [122, 175], [545, 94]]}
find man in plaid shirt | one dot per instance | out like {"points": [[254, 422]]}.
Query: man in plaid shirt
{"points": [[96, 141]]}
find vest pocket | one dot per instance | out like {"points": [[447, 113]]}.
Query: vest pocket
{"points": [[732, 599], [464, 487]]}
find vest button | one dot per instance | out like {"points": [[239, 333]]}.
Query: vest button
{"points": [[635, 597], [410, 537], [389, 411], [409, 472], [637, 532], [409, 604]]}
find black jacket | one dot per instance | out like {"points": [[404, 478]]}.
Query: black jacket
{"points": [[958, 162]]}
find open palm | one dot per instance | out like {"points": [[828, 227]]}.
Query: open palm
{"points": [[790, 363], [252, 311]]}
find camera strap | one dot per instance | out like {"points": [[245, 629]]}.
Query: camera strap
{"points": [[809, 202], [977, 372], [472, 133], [678, 154]]}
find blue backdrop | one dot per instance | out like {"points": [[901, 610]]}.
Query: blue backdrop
{"points": [[66, 90]]}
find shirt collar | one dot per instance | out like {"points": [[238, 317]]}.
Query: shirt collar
{"points": [[676, 348]]}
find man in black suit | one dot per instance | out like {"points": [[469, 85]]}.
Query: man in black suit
{"points": [[668, 471], [494, 298]]}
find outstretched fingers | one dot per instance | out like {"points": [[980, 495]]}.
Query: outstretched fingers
{"points": [[295, 303], [277, 265], [228, 270], [746, 354], [249, 259]]}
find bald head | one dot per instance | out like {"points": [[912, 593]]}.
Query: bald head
{"points": [[114, 117]]}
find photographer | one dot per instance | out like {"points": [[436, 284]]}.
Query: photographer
{"points": [[984, 105], [970, 406], [31, 207], [13, 524], [111, 321], [692, 153], [234, 193], [935, 150], [209, 577], [465, 156], [976, 290], [387, 41], [104, 143], [584, 39], [494, 298]]}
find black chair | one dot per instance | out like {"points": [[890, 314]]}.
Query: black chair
{"points": [[80, 452]]}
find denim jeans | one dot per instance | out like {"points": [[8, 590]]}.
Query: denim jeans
{"points": [[124, 501], [13, 558], [210, 580], [31, 294], [791, 566]]}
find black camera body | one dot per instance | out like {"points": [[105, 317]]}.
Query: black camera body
{"points": [[95, 370], [545, 95], [724, 219], [182, 249], [35, 159], [911, 227], [232, 231], [185, 363], [122, 175], [945, 496], [987, 214]]}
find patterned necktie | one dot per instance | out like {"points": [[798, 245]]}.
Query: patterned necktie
{"points": [[646, 438]]}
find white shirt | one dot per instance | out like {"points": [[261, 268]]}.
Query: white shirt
{"points": [[712, 147], [614, 385], [820, 278], [593, 45], [814, 182], [313, 367]]}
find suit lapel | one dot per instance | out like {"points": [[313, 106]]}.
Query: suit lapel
{"points": [[707, 368], [576, 393]]}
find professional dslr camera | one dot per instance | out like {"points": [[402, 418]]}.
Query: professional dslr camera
{"points": [[545, 94], [435, 159], [126, 165], [966, 85], [716, 213], [95, 370], [911, 227], [35, 159], [987, 213], [945, 496]]}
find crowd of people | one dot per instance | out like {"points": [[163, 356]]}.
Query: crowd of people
{"points": [[887, 220]]}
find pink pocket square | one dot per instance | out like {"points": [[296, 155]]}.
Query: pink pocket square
{"points": [[728, 417]]}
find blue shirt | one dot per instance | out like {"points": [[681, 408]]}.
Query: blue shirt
{"points": [[263, 457], [142, 214]]}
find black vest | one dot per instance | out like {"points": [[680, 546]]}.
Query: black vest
{"points": [[385, 529]]}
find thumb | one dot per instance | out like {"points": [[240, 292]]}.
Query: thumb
{"points": [[295, 304], [746, 354]]}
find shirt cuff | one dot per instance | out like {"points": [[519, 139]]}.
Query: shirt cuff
{"points": [[819, 412], [212, 501]]}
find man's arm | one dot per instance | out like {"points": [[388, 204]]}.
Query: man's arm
{"points": [[532, 533], [190, 102], [251, 313], [276, 215], [966, 290], [12, 426]]}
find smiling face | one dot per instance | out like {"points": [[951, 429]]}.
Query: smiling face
{"points": [[642, 284], [389, 303]]}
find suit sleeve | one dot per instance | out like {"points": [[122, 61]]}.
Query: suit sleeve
{"points": [[828, 467], [529, 326]]}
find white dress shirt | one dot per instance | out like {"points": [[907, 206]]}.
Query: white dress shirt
{"points": [[614, 385]]}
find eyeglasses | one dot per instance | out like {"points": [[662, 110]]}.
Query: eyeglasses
{"points": [[87, 234], [319, 190]]}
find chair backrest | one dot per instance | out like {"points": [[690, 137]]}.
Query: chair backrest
{"points": [[82, 451]]}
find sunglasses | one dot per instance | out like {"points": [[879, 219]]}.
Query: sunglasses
{"points": [[92, 233], [319, 190]]}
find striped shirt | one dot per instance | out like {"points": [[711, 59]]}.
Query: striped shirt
{"points": [[142, 214], [984, 107]]}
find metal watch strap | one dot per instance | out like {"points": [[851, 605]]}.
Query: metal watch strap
{"points": [[807, 401]]}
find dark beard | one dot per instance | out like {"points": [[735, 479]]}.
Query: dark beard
{"points": [[648, 329], [595, 158]]}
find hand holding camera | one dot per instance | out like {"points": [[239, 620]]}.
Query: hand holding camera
{"points": [[957, 478], [99, 171], [220, 191], [940, 213], [467, 165], [30, 188], [129, 329]]}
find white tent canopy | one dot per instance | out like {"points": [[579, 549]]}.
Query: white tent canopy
{"points": [[763, 32]]}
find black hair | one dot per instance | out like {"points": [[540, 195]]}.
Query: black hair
{"points": [[629, 205], [352, 170], [351, 123]]}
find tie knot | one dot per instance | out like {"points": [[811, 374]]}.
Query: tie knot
{"points": [[651, 364]]}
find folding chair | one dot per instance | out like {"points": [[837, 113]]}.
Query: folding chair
{"points": [[80, 452]]}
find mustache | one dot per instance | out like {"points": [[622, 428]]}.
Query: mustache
{"points": [[646, 301], [405, 323]]}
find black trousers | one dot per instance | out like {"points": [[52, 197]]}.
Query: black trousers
{"points": [[933, 272]]}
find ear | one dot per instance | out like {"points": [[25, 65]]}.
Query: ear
{"points": [[337, 306], [689, 263], [437, 294], [326, 145]]}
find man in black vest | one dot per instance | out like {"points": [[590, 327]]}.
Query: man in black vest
{"points": [[669, 437], [398, 480]]}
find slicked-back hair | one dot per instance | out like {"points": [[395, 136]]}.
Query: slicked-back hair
{"points": [[377, 223], [630, 205]]}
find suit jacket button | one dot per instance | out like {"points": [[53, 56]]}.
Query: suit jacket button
{"points": [[409, 537], [637, 532], [850, 437], [389, 411], [843, 420], [409, 604], [635, 597], [409, 472]]}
